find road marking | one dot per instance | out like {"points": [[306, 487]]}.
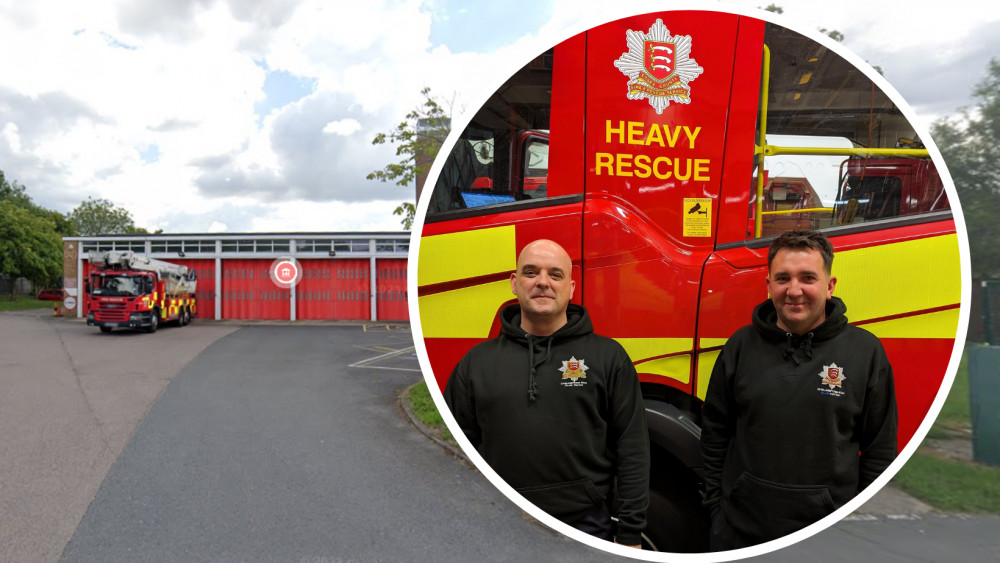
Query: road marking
{"points": [[386, 356], [860, 518]]}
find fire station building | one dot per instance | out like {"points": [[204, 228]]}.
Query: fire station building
{"points": [[344, 276]]}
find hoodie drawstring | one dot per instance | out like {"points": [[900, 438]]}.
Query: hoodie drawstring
{"points": [[792, 348], [532, 386]]}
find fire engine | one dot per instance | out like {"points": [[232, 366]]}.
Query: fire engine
{"points": [[130, 290], [664, 152]]}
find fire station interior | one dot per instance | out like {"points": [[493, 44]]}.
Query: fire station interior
{"points": [[812, 92]]}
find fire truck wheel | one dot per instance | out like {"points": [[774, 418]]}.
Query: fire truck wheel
{"points": [[154, 322], [105, 329], [185, 317], [675, 519]]}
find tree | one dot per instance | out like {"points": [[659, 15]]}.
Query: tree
{"points": [[17, 194], [969, 147], [832, 34], [102, 217], [30, 247], [30, 237], [14, 192], [418, 138]]}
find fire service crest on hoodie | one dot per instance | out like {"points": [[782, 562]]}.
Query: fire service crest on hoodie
{"points": [[658, 66], [832, 376], [572, 371]]}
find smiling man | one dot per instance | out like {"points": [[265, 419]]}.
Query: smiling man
{"points": [[800, 414], [555, 409]]}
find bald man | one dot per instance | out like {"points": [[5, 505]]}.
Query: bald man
{"points": [[556, 409]]}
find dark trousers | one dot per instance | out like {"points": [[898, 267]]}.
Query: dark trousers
{"points": [[597, 523]]}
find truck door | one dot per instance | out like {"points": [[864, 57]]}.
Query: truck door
{"points": [[668, 95]]}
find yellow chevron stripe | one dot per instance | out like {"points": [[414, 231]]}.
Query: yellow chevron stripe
{"points": [[463, 313], [939, 324], [942, 324], [892, 279], [706, 361], [673, 367], [639, 349], [467, 254]]}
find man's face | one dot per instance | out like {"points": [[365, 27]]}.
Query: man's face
{"points": [[542, 282], [799, 287]]}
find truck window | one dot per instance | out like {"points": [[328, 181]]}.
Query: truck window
{"points": [[837, 151], [121, 286], [534, 177], [501, 158]]}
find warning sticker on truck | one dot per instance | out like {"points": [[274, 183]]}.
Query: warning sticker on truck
{"points": [[697, 217]]}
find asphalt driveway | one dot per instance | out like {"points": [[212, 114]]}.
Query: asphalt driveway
{"points": [[225, 442], [221, 442]]}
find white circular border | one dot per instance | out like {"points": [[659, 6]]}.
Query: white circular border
{"points": [[596, 19], [272, 272]]}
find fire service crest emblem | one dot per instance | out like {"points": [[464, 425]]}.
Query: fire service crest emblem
{"points": [[658, 66], [833, 375], [572, 371]]}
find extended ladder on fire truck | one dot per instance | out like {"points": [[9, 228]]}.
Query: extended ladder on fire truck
{"points": [[181, 279]]}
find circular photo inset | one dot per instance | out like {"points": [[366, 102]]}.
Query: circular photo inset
{"points": [[667, 284]]}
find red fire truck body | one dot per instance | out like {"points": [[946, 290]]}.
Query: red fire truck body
{"points": [[128, 290], [658, 209]]}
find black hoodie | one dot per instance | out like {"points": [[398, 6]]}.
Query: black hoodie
{"points": [[558, 418], [794, 426]]}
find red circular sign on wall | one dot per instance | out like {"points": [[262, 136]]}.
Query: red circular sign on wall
{"points": [[286, 272]]}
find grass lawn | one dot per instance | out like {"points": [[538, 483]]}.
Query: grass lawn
{"points": [[23, 303], [951, 484], [955, 412], [425, 410]]}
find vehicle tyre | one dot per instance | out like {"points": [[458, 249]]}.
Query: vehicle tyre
{"points": [[154, 322], [675, 519], [185, 317], [105, 329]]}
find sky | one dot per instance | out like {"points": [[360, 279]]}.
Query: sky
{"points": [[257, 115]]}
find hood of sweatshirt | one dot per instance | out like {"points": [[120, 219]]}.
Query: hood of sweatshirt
{"points": [[798, 348], [540, 347]]}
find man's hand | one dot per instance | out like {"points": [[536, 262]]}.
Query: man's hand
{"points": [[637, 546]]}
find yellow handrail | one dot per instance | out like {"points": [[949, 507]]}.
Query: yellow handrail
{"points": [[762, 149], [772, 150], [764, 86], [790, 211]]}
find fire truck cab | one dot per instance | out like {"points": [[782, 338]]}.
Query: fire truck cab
{"points": [[666, 181]]}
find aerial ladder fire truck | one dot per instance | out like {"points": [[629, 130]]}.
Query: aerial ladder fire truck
{"points": [[130, 290]]}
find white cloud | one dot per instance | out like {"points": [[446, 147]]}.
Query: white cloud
{"points": [[10, 135], [87, 88], [331, 216], [344, 127]]}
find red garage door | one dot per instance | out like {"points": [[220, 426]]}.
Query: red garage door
{"points": [[392, 290], [249, 293], [205, 294], [334, 289]]}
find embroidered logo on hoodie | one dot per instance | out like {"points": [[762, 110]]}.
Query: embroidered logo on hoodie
{"points": [[833, 376], [572, 371]]}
